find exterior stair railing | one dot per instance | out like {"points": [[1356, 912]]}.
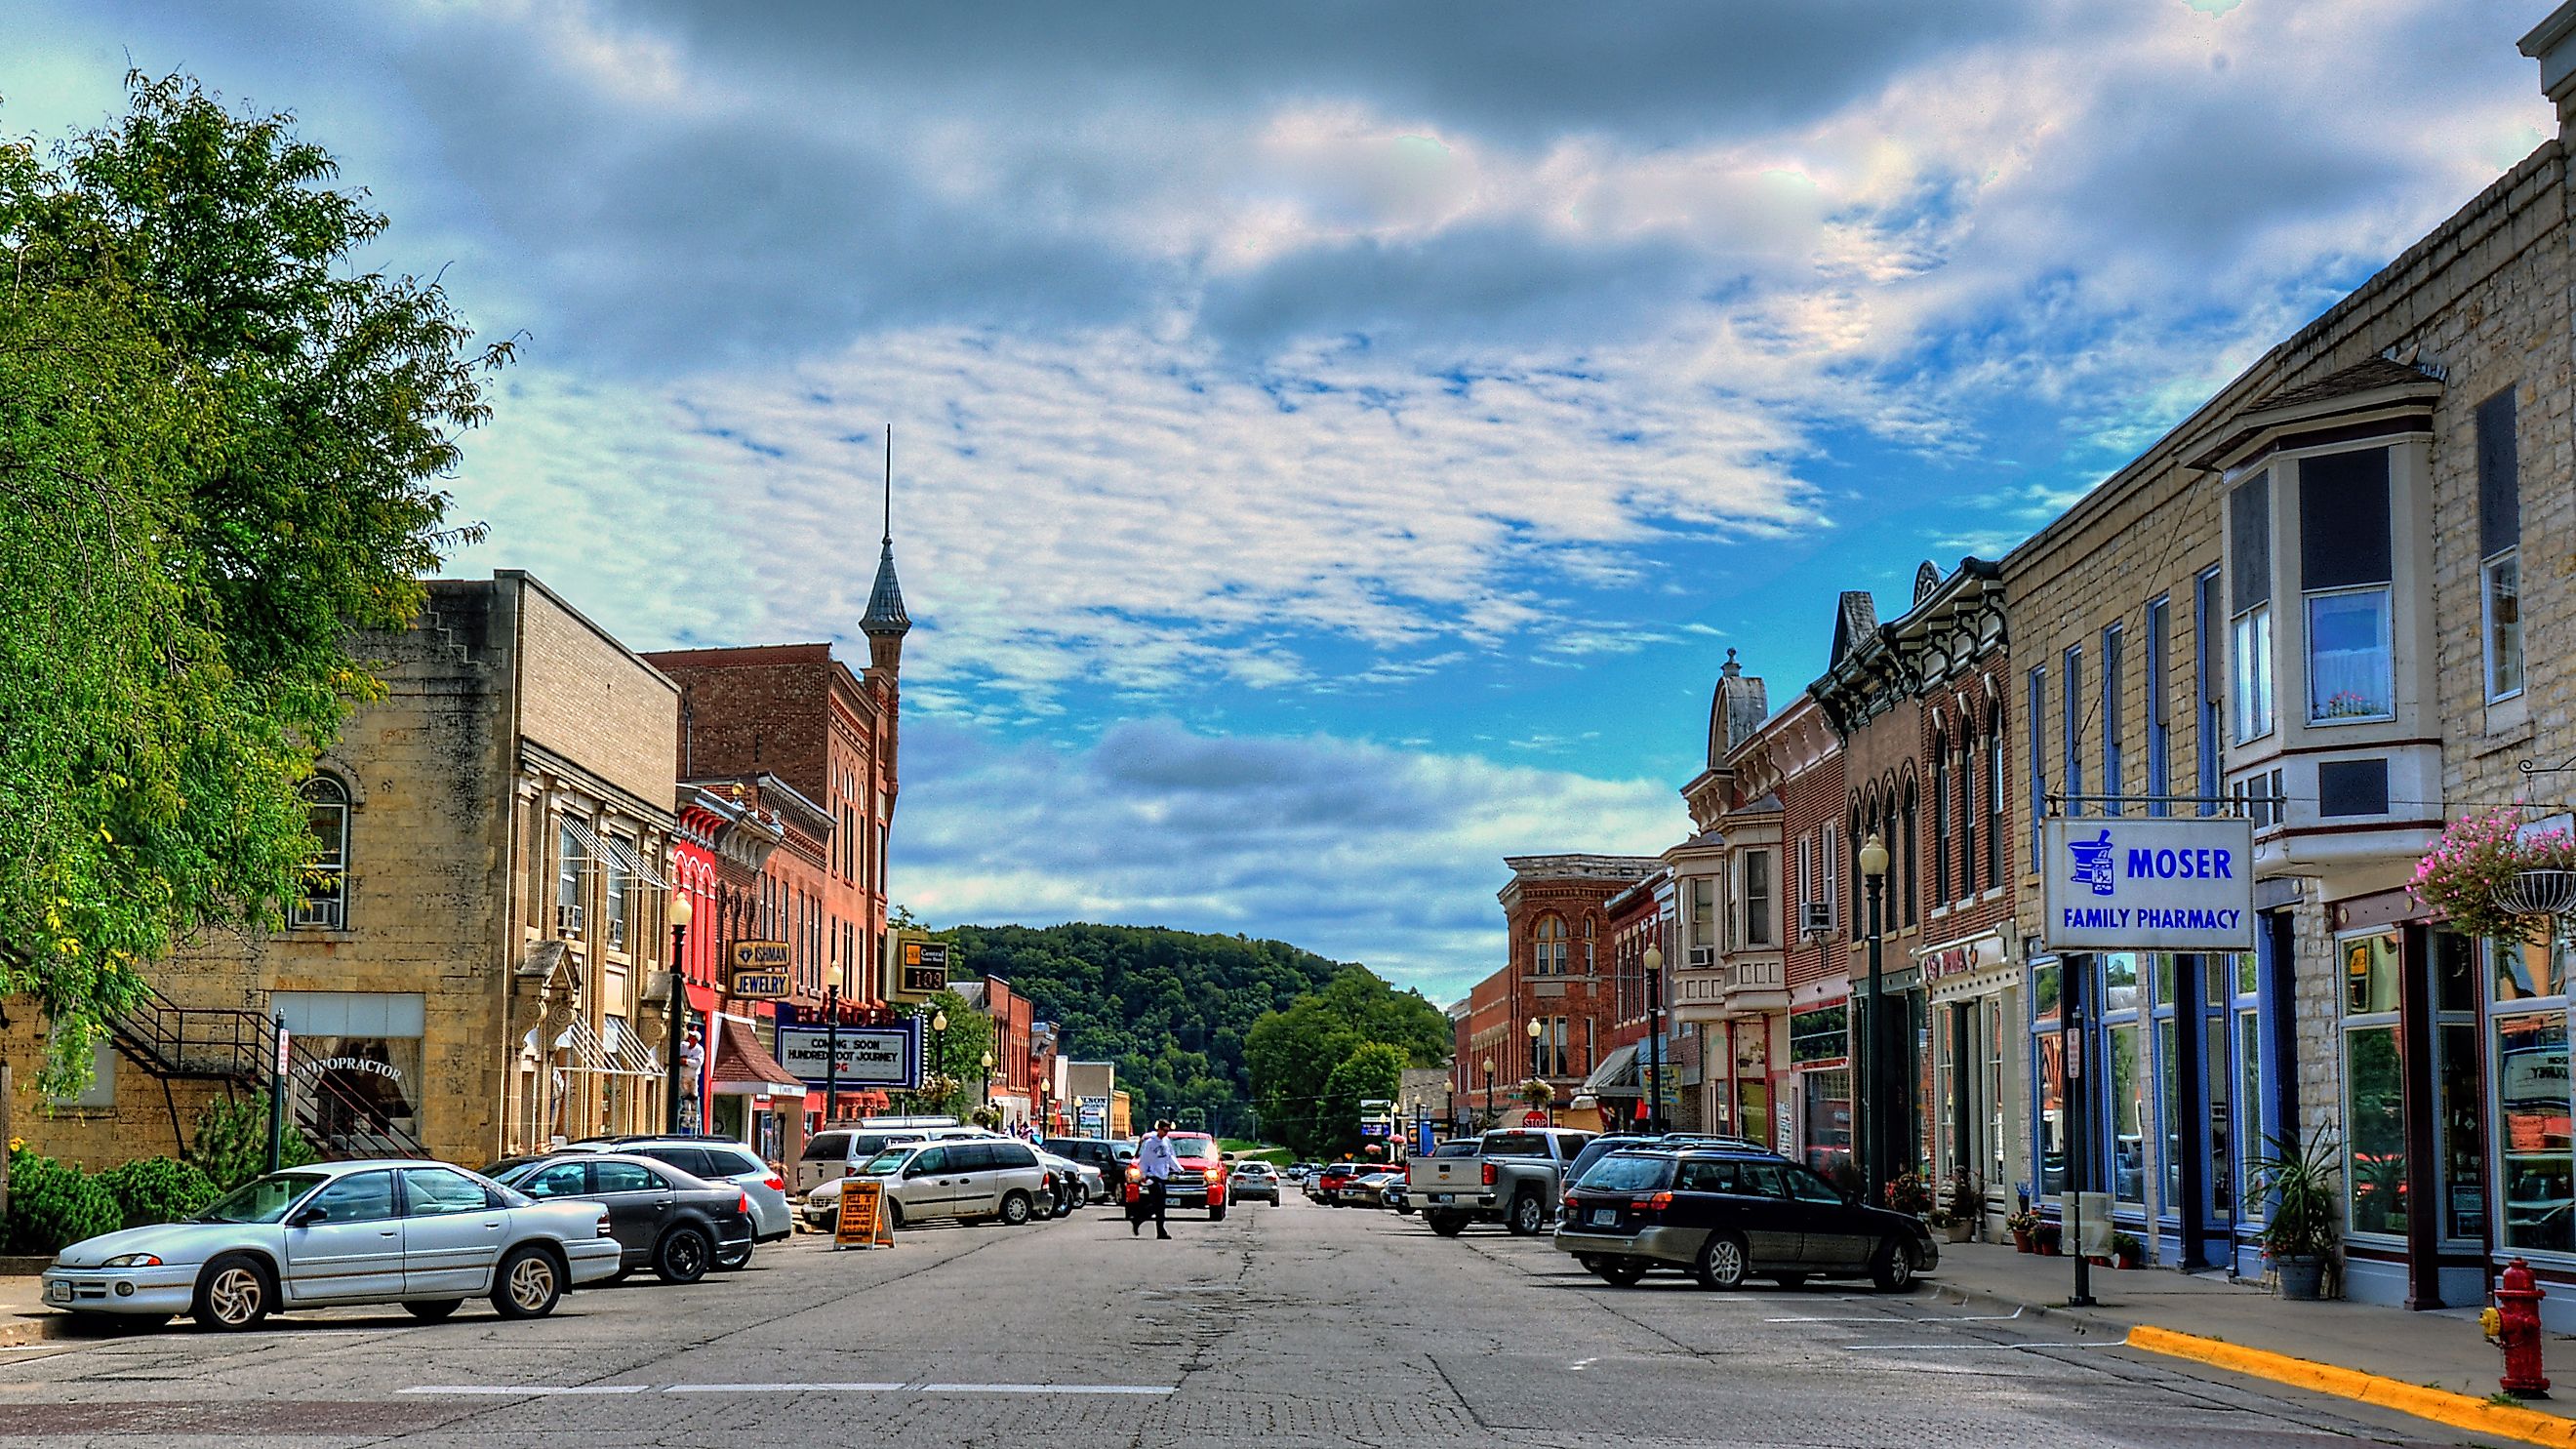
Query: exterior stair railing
{"points": [[238, 1045]]}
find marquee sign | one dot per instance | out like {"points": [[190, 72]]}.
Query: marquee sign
{"points": [[869, 1056], [2160, 883]]}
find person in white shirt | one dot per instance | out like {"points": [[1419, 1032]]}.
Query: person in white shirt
{"points": [[1156, 1159]]}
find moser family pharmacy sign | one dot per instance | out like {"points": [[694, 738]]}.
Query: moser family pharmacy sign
{"points": [[2148, 884]]}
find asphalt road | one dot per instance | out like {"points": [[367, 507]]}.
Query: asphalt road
{"points": [[1294, 1325]]}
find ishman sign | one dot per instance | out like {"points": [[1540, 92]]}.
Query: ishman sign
{"points": [[2148, 884]]}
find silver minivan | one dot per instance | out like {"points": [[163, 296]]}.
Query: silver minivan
{"points": [[961, 1177], [836, 1152]]}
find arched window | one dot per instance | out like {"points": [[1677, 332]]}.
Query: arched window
{"points": [[1906, 891], [1967, 812], [1860, 828], [1547, 946], [324, 904], [1940, 818], [1995, 795]]}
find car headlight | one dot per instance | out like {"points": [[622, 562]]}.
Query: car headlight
{"points": [[133, 1260]]}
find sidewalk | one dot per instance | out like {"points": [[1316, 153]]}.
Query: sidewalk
{"points": [[22, 1318], [2440, 1349]]}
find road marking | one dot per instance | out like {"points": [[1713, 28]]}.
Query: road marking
{"points": [[1968, 1347], [1581, 1364], [1045, 1389], [512, 1391], [1899, 1318], [784, 1389]]}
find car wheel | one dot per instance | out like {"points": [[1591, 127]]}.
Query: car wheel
{"points": [[1447, 1225], [431, 1310], [1216, 1214], [1621, 1272], [1588, 1262], [1274, 1199], [529, 1284], [1893, 1272], [682, 1256], [735, 1257], [1529, 1216], [235, 1291], [893, 1214], [1082, 1196], [1722, 1263], [1015, 1208]]}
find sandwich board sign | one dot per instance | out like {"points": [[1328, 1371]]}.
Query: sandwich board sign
{"points": [[861, 1223]]}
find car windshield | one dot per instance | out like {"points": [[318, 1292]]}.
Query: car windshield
{"points": [[1186, 1145], [884, 1163], [1622, 1173], [263, 1199]]}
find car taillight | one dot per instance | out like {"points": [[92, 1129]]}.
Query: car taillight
{"points": [[774, 1184], [744, 1206], [604, 1230], [1655, 1204], [1489, 1174]]}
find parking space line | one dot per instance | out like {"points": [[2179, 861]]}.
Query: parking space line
{"points": [[784, 1389], [1972, 1347], [1900, 1318], [1045, 1389], [513, 1391]]}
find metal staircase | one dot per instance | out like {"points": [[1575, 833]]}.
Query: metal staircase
{"points": [[237, 1045]]}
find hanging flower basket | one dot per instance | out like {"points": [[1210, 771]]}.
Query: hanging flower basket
{"points": [[2496, 884]]}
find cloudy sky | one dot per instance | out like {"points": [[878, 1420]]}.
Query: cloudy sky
{"points": [[1336, 443]]}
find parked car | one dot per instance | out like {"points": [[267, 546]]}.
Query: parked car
{"points": [[1255, 1180], [1724, 1214], [1369, 1188], [664, 1219], [1301, 1173], [719, 1160], [966, 1178], [1515, 1178], [422, 1234], [830, 1153], [1325, 1183], [1066, 1189], [1202, 1180]]}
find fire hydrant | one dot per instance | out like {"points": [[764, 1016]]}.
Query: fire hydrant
{"points": [[2515, 1327]]}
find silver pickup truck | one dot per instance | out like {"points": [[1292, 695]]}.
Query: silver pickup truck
{"points": [[1515, 1179]]}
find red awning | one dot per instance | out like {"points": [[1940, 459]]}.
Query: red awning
{"points": [[744, 1067]]}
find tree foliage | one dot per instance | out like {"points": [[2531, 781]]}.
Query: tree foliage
{"points": [[1174, 1010], [1373, 1071], [220, 443], [953, 1081], [1294, 1054]]}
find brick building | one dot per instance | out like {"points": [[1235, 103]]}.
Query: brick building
{"points": [[1558, 930], [471, 974]]}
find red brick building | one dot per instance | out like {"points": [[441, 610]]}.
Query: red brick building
{"points": [[1559, 974], [1013, 1085]]}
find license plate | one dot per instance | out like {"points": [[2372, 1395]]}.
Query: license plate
{"points": [[1604, 1217], [59, 1292], [1441, 1197]]}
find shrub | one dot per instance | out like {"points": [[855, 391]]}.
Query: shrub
{"points": [[152, 1190], [231, 1145], [53, 1205]]}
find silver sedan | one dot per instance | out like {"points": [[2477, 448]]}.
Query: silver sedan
{"points": [[423, 1234]]}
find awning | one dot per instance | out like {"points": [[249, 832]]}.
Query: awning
{"points": [[613, 853], [623, 1054], [743, 1067], [1616, 1076]]}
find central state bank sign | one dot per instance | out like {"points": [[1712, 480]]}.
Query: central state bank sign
{"points": [[2155, 883]]}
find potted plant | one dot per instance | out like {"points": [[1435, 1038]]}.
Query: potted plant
{"points": [[2126, 1251], [1537, 1093], [2024, 1227], [2300, 1237], [2494, 883], [1910, 1193], [2047, 1236], [1966, 1205]]}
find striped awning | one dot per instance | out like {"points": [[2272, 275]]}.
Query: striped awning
{"points": [[614, 853], [1616, 1076]]}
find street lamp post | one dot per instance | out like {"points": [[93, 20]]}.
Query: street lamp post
{"points": [[1873, 870], [939, 1042], [1489, 1091], [680, 913], [988, 1081], [1654, 1037], [1538, 1064]]}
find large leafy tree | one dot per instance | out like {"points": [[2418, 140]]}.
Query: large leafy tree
{"points": [[221, 440], [1295, 1054]]}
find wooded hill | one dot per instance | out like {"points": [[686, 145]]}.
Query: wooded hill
{"points": [[1176, 1009]]}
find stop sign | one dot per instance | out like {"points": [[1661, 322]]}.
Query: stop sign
{"points": [[1533, 1118]]}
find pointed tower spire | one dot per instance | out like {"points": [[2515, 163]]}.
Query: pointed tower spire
{"points": [[885, 623]]}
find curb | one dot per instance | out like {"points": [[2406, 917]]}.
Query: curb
{"points": [[18, 1331], [2459, 1411]]}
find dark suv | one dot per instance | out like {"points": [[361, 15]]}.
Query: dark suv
{"points": [[1724, 1214]]}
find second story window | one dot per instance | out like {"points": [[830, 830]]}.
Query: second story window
{"points": [[621, 896], [2114, 639], [1547, 946], [2249, 586], [1995, 796], [325, 902], [1757, 898], [1941, 835], [2346, 568], [1703, 914], [2500, 545]]}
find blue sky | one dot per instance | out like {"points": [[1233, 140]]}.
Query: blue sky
{"points": [[1336, 443]]}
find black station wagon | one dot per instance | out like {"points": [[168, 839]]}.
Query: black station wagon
{"points": [[1726, 1215]]}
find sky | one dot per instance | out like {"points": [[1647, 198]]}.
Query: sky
{"points": [[1336, 445]]}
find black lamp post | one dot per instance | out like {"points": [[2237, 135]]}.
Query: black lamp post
{"points": [[680, 913], [1654, 1037], [988, 1081], [1489, 1091], [1539, 1064], [939, 1044], [1873, 1165]]}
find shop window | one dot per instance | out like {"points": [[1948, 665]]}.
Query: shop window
{"points": [[2499, 544], [2370, 974], [325, 902], [2374, 1086], [2249, 580], [2533, 1159], [2048, 1080], [2129, 1119], [1828, 1113]]}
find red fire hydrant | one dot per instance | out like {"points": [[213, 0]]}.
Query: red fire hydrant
{"points": [[2517, 1331]]}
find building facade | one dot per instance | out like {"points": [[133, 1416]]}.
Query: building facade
{"points": [[1558, 929]]}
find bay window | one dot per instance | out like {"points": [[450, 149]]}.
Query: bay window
{"points": [[2499, 545], [2346, 567], [2249, 583]]}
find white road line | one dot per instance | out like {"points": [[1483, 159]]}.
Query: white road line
{"points": [[513, 1391], [1898, 1318], [784, 1389], [1969, 1347], [1044, 1389]]}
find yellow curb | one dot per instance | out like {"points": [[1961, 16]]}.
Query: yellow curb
{"points": [[2439, 1405]]}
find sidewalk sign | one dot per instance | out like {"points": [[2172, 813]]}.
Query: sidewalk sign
{"points": [[862, 1223]]}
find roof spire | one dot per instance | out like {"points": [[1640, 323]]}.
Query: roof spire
{"points": [[885, 618]]}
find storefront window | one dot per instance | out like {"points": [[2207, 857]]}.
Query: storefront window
{"points": [[1993, 1038], [2169, 1104], [2050, 1121], [2533, 1150], [2249, 1097], [2375, 1130], [2523, 971], [2464, 1138], [2128, 1113], [1829, 1123], [2370, 974], [2119, 982]]}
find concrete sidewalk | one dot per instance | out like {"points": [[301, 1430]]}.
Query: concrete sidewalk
{"points": [[23, 1318], [2439, 1349]]}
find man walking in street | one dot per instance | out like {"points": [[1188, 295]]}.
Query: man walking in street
{"points": [[1155, 1159]]}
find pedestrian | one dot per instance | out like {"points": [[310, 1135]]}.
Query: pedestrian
{"points": [[1155, 1159]]}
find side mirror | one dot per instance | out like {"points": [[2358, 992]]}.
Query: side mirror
{"points": [[307, 1216]]}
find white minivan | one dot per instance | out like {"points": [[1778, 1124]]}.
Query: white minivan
{"points": [[830, 1154]]}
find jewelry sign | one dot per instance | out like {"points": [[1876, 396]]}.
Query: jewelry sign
{"points": [[2158, 883]]}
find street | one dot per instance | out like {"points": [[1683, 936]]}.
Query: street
{"points": [[1293, 1325]]}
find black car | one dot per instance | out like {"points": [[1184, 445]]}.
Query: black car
{"points": [[1100, 1152], [1725, 1214], [662, 1218]]}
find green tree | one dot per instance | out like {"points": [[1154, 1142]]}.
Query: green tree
{"points": [[954, 1080], [1372, 1071], [1293, 1053], [219, 450]]}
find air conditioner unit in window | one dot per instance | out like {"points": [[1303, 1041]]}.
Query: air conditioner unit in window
{"points": [[1703, 955], [567, 920], [1815, 918]]}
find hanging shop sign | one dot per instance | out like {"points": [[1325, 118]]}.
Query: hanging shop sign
{"points": [[869, 1056], [2165, 883], [916, 967], [762, 970]]}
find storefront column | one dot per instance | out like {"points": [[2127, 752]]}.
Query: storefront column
{"points": [[2189, 1136], [2424, 1190]]}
